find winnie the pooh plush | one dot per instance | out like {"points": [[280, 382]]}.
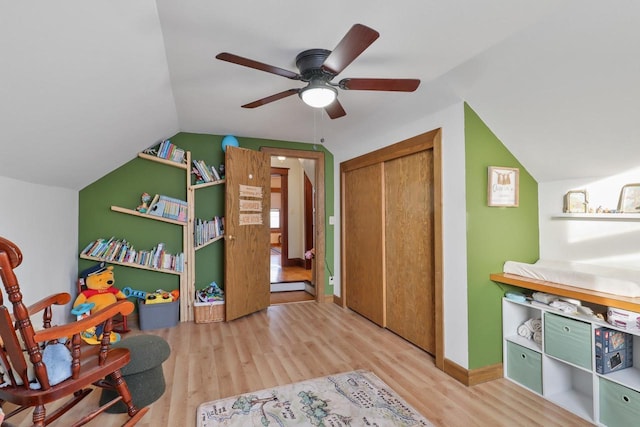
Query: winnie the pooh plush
{"points": [[101, 292]]}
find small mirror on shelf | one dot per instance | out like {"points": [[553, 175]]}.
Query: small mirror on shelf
{"points": [[629, 201], [576, 201]]}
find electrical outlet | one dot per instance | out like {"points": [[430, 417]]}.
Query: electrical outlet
{"points": [[331, 280]]}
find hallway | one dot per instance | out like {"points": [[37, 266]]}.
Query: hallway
{"points": [[286, 274], [278, 274]]}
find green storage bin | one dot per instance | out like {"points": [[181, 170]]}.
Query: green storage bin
{"points": [[568, 339], [524, 366], [619, 405]]}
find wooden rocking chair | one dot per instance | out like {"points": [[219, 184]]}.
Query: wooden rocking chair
{"points": [[96, 365]]}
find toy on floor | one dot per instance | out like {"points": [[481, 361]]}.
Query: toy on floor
{"points": [[99, 291], [128, 292], [210, 293], [160, 296], [82, 310]]}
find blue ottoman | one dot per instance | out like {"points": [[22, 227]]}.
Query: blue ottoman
{"points": [[143, 373]]}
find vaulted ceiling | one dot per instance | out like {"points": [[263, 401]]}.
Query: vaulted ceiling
{"points": [[85, 85]]}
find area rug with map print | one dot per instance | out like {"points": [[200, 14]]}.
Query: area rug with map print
{"points": [[357, 398]]}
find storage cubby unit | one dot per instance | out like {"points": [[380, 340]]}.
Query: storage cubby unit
{"points": [[568, 386], [619, 405], [563, 368], [524, 366], [568, 339], [513, 315], [629, 377]]}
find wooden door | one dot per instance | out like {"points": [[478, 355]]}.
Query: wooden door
{"points": [[392, 239], [363, 249], [247, 240], [409, 248]]}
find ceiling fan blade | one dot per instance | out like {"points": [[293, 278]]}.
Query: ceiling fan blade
{"points": [[357, 39], [271, 98], [335, 110], [399, 85], [235, 59]]}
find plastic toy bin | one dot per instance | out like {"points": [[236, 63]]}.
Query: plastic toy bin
{"points": [[158, 316]]}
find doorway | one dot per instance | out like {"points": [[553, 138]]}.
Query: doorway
{"points": [[287, 265], [290, 276]]}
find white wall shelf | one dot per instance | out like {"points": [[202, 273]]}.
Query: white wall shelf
{"points": [[598, 216]]}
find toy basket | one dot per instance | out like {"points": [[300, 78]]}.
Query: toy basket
{"points": [[208, 312]]}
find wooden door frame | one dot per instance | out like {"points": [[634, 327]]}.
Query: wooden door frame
{"points": [[284, 214], [309, 223], [319, 178], [425, 141]]}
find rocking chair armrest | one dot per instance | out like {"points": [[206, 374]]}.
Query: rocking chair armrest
{"points": [[57, 299], [123, 307]]}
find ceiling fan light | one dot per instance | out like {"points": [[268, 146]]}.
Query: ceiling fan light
{"points": [[318, 96]]}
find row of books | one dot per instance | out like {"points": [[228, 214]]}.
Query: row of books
{"points": [[205, 230], [204, 172], [119, 250], [167, 150], [168, 207]]}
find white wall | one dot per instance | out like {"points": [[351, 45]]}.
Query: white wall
{"points": [[295, 183], [43, 222], [296, 209], [599, 241], [451, 120]]}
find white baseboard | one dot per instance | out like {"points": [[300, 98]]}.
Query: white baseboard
{"points": [[309, 288], [282, 287]]}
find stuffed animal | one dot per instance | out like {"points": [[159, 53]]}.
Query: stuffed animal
{"points": [[56, 357], [100, 290], [144, 206]]}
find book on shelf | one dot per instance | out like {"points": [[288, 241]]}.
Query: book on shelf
{"points": [[167, 150], [99, 247], [119, 250], [205, 230], [216, 175], [204, 173], [168, 207], [196, 173]]}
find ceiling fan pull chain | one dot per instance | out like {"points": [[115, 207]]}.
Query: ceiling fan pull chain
{"points": [[315, 130], [322, 113]]}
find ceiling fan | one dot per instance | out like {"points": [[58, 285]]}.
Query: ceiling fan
{"points": [[318, 67]]}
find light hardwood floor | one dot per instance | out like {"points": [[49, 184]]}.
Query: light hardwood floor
{"points": [[295, 342], [281, 274], [286, 274]]}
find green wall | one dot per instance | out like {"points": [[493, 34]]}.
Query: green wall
{"points": [[494, 235], [123, 187]]}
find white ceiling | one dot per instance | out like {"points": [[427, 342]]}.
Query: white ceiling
{"points": [[85, 85]]}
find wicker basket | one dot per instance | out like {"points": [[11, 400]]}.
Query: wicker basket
{"points": [[208, 312]]}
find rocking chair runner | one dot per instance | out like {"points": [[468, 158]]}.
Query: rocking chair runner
{"points": [[90, 364]]}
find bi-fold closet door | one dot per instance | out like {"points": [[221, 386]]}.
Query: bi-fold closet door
{"points": [[388, 239]]}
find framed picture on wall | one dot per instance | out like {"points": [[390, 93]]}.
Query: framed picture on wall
{"points": [[502, 188], [629, 199], [576, 201]]}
